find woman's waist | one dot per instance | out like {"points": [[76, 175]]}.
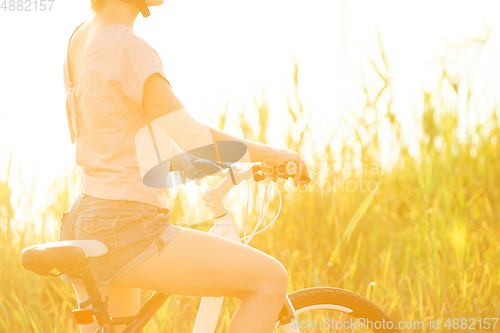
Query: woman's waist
{"points": [[113, 191]]}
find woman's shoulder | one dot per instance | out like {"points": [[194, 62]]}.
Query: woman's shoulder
{"points": [[126, 36], [124, 39]]}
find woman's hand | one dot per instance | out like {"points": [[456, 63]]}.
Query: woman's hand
{"points": [[274, 167]]}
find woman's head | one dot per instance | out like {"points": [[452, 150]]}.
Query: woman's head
{"points": [[95, 5]]}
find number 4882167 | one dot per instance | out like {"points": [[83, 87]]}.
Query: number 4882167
{"points": [[27, 5]]}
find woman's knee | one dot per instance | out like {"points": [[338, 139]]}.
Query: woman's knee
{"points": [[274, 282]]}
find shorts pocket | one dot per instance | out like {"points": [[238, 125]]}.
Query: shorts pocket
{"points": [[101, 228], [154, 217]]}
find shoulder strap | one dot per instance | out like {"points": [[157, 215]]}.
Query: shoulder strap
{"points": [[68, 111], [68, 48]]}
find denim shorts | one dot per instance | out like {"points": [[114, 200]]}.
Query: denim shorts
{"points": [[132, 231]]}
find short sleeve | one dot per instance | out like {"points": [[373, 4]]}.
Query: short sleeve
{"points": [[140, 61]]}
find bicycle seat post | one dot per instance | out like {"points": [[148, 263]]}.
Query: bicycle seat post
{"points": [[99, 307]]}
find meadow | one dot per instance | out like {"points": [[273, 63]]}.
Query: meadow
{"points": [[419, 238]]}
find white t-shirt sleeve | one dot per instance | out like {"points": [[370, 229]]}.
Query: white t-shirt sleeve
{"points": [[140, 61]]}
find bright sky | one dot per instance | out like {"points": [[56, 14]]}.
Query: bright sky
{"points": [[225, 50]]}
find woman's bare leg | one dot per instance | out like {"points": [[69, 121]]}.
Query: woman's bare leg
{"points": [[197, 264], [123, 302]]}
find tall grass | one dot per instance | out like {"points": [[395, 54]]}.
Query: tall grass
{"points": [[420, 240]]}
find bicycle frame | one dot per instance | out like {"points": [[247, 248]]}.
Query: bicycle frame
{"points": [[43, 258]]}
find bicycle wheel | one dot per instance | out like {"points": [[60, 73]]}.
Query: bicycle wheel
{"points": [[335, 310]]}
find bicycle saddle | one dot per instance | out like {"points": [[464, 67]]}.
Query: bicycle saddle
{"points": [[64, 256]]}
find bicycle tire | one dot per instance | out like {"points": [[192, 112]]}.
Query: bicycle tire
{"points": [[340, 301]]}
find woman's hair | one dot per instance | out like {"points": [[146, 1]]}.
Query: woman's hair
{"points": [[95, 5]]}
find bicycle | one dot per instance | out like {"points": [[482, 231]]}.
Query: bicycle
{"points": [[302, 309]]}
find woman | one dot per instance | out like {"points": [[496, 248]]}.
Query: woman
{"points": [[121, 87]]}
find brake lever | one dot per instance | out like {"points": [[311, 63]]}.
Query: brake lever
{"points": [[258, 176]]}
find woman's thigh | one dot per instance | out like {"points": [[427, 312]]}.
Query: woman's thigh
{"points": [[122, 302], [198, 264]]}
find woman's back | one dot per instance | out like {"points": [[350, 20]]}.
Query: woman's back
{"points": [[108, 68]]}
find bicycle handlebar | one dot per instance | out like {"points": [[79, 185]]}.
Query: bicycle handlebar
{"points": [[255, 170], [205, 167], [232, 176]]}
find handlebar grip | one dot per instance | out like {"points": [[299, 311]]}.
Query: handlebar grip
{"points": [[258, 177]]}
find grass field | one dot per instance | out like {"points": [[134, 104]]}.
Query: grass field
{"points": [[420, 239]]}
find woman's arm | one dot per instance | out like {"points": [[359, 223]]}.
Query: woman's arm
{"points": [[169, 113], [162, 104]]}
